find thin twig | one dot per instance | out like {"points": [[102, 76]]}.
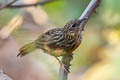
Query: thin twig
{"points": [[11, 5], [7, 5], [86, 14], [29, 5]]}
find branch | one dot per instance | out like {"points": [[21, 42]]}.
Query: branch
{"points": [[91, 8], [7, 5], [11, 5], [3, 76], [86, 14], [29, 5], [63, 75]]}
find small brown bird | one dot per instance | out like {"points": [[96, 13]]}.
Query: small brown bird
{"points": [[57, 42]]}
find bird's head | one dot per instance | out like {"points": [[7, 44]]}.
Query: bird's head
{"points": [[73, 26]]}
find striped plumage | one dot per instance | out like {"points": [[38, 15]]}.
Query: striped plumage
{"points": [[58, 41]]}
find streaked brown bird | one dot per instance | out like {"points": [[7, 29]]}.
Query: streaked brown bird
{"points": [[57, 42]]}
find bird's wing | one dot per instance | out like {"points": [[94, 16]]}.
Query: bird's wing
{"points": [[56, 39], [50, 38]]}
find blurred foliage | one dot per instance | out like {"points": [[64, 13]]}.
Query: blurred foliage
{"points": [[7, 14], [65, 10]]}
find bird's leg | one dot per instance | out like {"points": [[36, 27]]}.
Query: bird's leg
{"points": [[62, 65], [66, 59]]}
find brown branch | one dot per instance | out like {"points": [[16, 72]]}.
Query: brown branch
{"points": [[11, 5], [86, 14], [7, 5], [29, 5]]}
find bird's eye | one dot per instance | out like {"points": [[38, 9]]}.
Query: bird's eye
{"points": [[74, 25]]}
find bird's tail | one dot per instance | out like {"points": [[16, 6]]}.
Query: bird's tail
{"points": [[28, 48]]}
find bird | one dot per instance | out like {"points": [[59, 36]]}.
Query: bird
{"points": [[58, 41]]}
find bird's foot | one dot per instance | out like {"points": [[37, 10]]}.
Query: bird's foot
{"points": [[65, 69], [63, 66]]}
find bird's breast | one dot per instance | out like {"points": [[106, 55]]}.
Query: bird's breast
{"points": [[54, 51]]}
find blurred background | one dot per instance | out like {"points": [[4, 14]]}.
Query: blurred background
{"points": [[98, 57]]}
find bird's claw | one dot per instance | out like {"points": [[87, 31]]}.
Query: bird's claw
{"points": [[65, 69]]}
